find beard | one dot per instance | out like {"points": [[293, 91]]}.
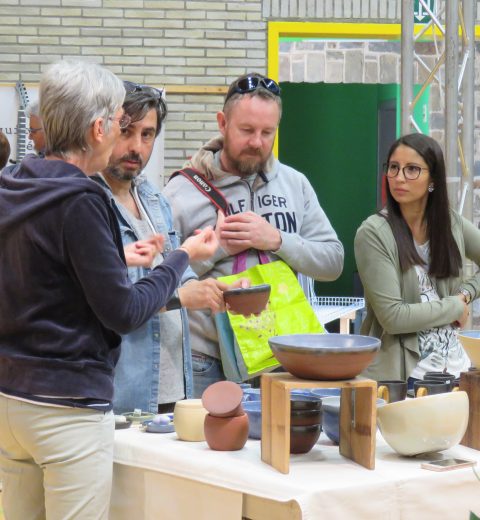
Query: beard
{"points": [[122, 174], [248, 162]]}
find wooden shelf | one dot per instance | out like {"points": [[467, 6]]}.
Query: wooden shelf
{"points": [[358, 418]]}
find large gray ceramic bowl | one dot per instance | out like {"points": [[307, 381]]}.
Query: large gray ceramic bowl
{"points": [[324, 356]]}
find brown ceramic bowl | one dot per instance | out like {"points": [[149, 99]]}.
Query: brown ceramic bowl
{"points": [[249, 300], [305, 402], [223, 399], [305, 417], [226, 433], [324, 356], [303, 438]]}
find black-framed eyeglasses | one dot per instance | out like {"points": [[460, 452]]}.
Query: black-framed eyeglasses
{"points": [[251, 83], [123, 122], [131, 87], [411, 172]]}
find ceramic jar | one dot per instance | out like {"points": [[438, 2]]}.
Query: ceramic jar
{"points": [[226, 425], [188, 418], [226, 433]]}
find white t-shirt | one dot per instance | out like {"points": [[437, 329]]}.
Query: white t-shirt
{"points": [[439, 346]]}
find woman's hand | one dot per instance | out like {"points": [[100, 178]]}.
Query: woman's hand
{"points": [[202, 245], [462, 321], [203, 294], [207, 294]]}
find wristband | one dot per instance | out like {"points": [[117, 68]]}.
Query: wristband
{"points": [[174, 302], [468, 296]]}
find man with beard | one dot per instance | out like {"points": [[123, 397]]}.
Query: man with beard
{"points": [[271, 207], [154, 370]]}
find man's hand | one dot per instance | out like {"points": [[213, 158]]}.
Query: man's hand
{"points": [[247, 230], [143, 252]]}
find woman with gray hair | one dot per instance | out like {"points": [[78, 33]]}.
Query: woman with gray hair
{"points": [[66, 298]]}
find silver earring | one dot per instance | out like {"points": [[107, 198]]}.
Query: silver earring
{"points": [[430, 188]]}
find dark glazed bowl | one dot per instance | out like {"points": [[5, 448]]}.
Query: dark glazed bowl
{"points": [[324, 356], [309, 413], [305, 417], [250, 300], [303, 438], [305, 402]]}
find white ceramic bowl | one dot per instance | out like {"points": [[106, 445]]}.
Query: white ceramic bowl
{"points": [[424, 424], [470, 340]]}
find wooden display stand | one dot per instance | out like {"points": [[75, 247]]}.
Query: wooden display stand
{"points": [[358, 418], [470, 383]]}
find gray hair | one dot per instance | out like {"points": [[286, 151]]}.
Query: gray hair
{"points": [[73, 94], [33, 109]]}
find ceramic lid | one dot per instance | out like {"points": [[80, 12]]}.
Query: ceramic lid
{"points": [[189, 403]]}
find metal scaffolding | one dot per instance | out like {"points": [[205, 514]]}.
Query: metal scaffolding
{"points": [[454, 71]]}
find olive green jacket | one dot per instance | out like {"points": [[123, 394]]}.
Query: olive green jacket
{"points": [[394, 310]]}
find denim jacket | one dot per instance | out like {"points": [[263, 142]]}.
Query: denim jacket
{"points": [[137, 371]]}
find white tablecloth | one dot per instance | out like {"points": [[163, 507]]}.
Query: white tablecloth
{"points": [[323, 483]]}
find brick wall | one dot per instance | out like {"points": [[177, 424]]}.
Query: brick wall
{"points": [[194, 48]]}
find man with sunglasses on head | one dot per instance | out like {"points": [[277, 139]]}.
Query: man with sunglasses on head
{"points": [[271, 207], [154, 370]]}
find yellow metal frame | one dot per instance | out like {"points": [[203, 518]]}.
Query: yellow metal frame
{"points": [[339, 31]]}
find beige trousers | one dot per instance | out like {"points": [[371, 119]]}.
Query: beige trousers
{"points": [[55, 463]]}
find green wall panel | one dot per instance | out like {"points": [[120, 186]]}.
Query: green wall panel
{"points": [[329, 133]]}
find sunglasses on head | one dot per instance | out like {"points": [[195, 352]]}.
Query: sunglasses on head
{"points": [[251, 83], [131, 87]]}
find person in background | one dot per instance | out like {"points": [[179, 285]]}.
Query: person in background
{"points": [[4, 150], [155, 367], [66, 298], [35, 134], [272, 207], [35, 130], [410, 259]]}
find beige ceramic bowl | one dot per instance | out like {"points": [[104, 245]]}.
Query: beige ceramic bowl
{"points": [[424, 424], [188, 418], [470, 340]]}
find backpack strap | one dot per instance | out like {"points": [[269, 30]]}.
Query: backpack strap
{"points": [[203, 185]]}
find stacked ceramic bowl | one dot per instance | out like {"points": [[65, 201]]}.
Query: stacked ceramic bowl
{"points": [[226, 424], [305, 422], [305, 419]]}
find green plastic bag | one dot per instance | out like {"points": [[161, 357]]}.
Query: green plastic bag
{"points": [[288, 312]]}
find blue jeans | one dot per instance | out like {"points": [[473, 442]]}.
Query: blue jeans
{"points": [[206, 371]]}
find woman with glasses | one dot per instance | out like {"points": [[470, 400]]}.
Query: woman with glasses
{"points": [[66, 298], [411, 260]]}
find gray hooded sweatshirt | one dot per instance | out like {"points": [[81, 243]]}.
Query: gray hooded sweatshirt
{"points": [[283, 196]]}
